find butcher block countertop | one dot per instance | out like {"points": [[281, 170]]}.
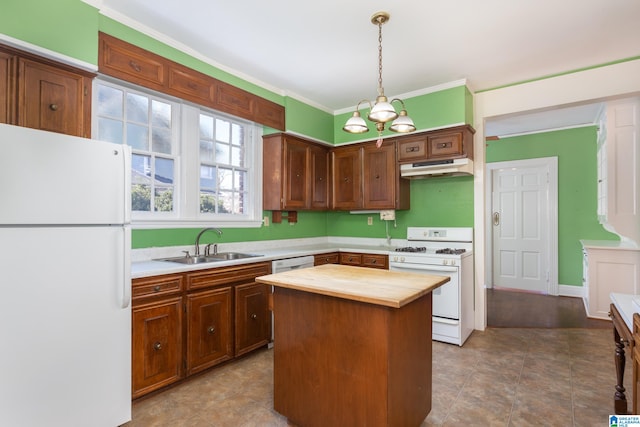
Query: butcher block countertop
{"points": [[382, 287]]}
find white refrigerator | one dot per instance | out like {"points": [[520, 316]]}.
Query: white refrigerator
{"points": [[65, 282]]}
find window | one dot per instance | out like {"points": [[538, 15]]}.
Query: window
{"points": [[189, 165]]}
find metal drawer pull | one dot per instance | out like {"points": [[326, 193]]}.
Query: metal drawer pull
{"points": [[135, 66], [412, 149], [444, 144], [157, 288]]}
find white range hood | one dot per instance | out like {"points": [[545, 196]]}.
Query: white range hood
{"points": [[451, 167]]}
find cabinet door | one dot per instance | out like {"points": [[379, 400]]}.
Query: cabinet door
{"points": [[319, 163], [156, 346], [253, 319], [380, 176], [296, 176], [347, 178], [7, 87], [445, 146], [53, 99], [208, 329]]}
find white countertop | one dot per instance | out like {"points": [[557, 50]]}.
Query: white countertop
{"points": [[150, 267], [626, 307]]}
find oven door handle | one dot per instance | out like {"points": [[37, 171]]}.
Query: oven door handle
{"points": [[425, 267]]}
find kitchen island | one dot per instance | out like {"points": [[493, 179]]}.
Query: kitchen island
{"points": [[352, 345]]}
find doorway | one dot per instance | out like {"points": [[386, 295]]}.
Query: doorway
{"points": [[521, 244]]}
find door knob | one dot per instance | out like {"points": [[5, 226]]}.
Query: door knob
{"points": [[496, 218]]}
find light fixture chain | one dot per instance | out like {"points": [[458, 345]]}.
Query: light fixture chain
{"points": [[380, 88]]}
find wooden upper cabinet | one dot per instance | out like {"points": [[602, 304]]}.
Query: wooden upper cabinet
{"points": [[295, 174], [131, 63], [368, 177], [320, 178], [53, 99], [347, 178], [7, 87], [128, 62], [442, 144]]}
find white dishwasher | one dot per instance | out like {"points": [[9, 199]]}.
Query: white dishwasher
{"points": [[287, 264]]}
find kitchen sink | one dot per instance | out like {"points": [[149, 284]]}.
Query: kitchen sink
{"points": [[221, 256]]}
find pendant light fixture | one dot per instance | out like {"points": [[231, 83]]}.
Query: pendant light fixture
{"points": [[381, 111]]}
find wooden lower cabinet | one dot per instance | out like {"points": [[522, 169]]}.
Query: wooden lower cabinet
{"points": [[330, 258], [365, 260], [186, 323], [157, 345], [253, 318], [208, 329]]}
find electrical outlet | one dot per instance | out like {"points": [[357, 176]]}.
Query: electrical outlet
{"points": [[266, 221], [369, 220]]}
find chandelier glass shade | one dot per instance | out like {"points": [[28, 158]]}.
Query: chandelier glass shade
{"points": [[382, 111]]}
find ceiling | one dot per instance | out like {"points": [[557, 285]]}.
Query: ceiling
{"points": [[326, 53]]}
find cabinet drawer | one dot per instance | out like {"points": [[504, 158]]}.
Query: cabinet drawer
{"points": [[226, 275], [332, 258], [375, 261], [156, 286], [348, 258], [449, 145], [412, 149], [191, 85]]}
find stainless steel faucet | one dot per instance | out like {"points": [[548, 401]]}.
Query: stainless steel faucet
{"points": [[217, 230]]}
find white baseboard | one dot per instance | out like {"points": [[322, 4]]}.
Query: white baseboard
{"points": [[571, 291]]}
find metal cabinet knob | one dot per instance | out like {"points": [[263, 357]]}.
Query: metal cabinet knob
{"points": [[254, 316], [211, 329], [157, 345], [53, 107], [157, 288]]}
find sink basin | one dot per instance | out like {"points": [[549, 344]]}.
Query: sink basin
{"points": [[225, 256], [222, 256]]}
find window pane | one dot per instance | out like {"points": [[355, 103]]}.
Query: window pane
{"points": [[161, 113], [164, 171], [110, 130], [208, 180], [222, 153], [237, 156], [161, 141], [208, 203], [226, 202], [236, 134], [110, 102], [137, 108], [222, 131], [138, 137], [206, 151], [206, 126], [225, 179], [140, 183], [163, 201]]}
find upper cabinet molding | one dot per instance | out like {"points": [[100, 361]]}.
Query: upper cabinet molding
{"points": [[133, 64]]}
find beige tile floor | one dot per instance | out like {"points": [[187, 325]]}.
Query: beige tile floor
{"points": [[500, 377]]}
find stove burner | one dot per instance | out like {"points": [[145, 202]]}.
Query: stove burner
{"points": [[411, 249], [450, 251]]}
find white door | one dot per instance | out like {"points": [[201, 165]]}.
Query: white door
{"points": [[522, 227]]}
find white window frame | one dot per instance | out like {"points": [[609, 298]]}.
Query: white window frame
{"points": [[186, 212]]}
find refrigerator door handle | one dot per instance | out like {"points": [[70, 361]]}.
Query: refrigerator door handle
{"points": [[125, 299]]}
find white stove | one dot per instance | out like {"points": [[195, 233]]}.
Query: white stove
{"points": [[443, 252]]}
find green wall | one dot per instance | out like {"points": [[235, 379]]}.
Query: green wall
{"points": [[577, 188]]}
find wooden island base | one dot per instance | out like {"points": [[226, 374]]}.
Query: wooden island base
{"points": [[340, 362]]}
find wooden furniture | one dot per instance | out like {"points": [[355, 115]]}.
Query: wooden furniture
{"points": [[608, 267], [330, 258], [128, 62], [442, 144], [353, 346], [367, 177], [622, 317], [186, 323], [295, 174], [365, 260], [635, 354], [42, 94]]}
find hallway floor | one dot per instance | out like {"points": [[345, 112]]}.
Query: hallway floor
{"points": [[500, 377]]}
